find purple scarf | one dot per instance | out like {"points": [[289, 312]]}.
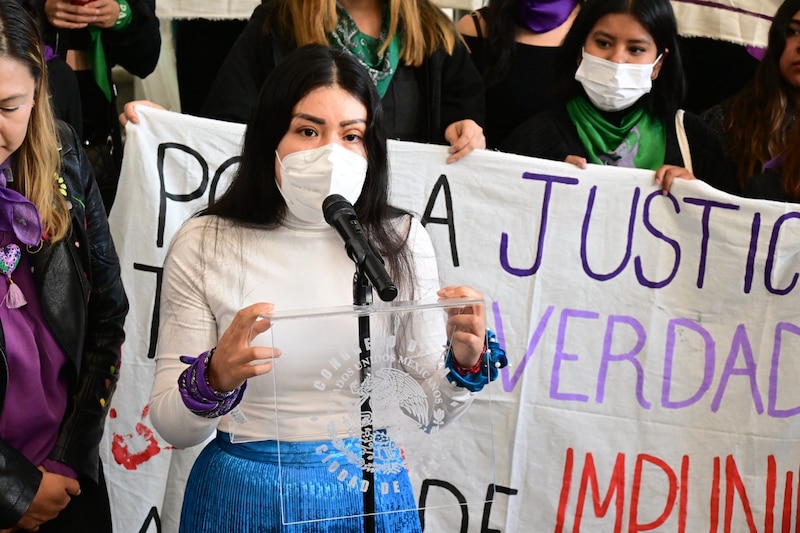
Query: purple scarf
{"points": [[48, 52], [541, 16], [17, 213]]}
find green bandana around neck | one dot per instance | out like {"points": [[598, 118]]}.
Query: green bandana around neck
{"points": [[349, 38], [97, 61], [640, 141]]}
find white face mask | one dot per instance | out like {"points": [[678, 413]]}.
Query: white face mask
{"points": [[310, 176], [614, 86]]}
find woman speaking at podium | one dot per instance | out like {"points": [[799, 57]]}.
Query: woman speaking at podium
{"points": [[316, 131]]}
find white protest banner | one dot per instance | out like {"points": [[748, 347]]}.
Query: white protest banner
{"points": [[652, 340], [740, 21]]}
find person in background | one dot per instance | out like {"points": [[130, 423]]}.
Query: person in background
{"points": [[430, 89], [93, 36], [62, 305], [514, 44], [317, 120], [754, 125], [620, 85], [65, 95]]}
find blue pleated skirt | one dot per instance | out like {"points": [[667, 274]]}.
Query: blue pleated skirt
{"points": [[240, 488]]}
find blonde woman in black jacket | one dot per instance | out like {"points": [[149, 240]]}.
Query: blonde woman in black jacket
{"points": [[62, 305]]}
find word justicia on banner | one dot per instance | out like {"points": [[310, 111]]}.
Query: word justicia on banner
{"points": [[706, 219]]}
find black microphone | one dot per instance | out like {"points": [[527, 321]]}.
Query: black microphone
{"points": [[339, 213]]}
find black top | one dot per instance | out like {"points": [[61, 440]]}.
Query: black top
{"points": [[65, 95], [766, 186], [716, 118], [523, 92]]}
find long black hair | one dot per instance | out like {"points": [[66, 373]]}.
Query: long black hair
{"points": [[657, 17], [253, 198]]}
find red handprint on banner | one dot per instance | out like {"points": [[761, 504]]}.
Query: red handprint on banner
{"points": [[132, 450]]}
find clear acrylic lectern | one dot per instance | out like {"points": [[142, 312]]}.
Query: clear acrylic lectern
{"points": [[380, 414]]}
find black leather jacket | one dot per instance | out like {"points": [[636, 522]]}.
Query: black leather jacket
{"points": [[84, 303]]}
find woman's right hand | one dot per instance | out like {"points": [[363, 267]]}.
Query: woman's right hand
{"points": [[234, 360], [129, 111], [52, 497]]}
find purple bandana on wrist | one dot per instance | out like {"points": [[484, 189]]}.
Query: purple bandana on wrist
{"points": [[17, 213], [541, 16], [198, 395]]}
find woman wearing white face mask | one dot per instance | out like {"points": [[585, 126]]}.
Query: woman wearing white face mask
{"points": [[621, 83], [316, 131], [307, 177]]}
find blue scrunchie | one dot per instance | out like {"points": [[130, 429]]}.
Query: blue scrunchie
{"points": [[494, 358]]}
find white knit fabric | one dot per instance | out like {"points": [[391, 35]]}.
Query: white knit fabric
{"points": [[215, 268]]}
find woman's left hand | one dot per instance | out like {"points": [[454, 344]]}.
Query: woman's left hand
{"points": [[466, 326], [668, 173], [464, 136]]}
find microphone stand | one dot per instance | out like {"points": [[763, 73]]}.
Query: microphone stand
{"points": [[362, 296]]}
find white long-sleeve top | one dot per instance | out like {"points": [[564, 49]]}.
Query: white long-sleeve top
{"points": [[215, 268]]}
